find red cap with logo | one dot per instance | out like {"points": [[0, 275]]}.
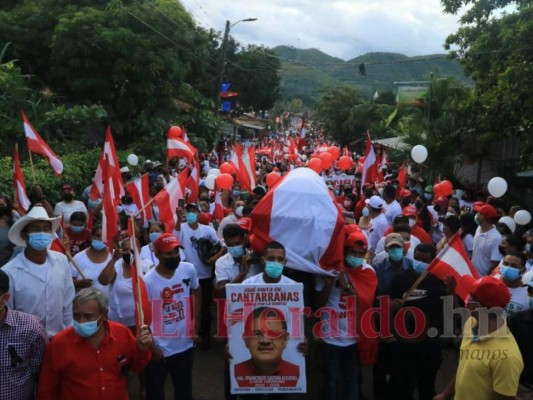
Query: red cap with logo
{"points": [[166, 242], [409, 211], [489, 291], [356, 239]]}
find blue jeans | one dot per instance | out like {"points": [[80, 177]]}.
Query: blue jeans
{"points": [[341, 361], [179, 367]]}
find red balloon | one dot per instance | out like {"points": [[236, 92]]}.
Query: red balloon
{"points": [[272, 178], [437, 190], [327, 160], [316, 165], [227, 168], [224, 181], [175, 131], [447, 188], [334, 151], [345, 163]]}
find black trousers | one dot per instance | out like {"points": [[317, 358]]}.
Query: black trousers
{"points": [[179, 367]]}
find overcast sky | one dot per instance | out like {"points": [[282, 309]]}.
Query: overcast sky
{"points": [[341, 28]]}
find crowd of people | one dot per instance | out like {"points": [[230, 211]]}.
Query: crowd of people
{"points": [[69, 327]]}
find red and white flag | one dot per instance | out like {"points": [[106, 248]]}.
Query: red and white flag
{"points": [[37, 145], [109, 207], [370, 170], [143, 307], [279, 216], [18, 183], [453, 261], [97, 187], [139, 190], [244, 163], [193, 183], [218, 211], [179, 147], [167, 200]]}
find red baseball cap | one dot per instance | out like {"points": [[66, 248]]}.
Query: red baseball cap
{"points": [[478, 205], [405, 193], [489, 212], [166, 242], [245, 223], [356, 239], [352, 228], [409, 211], [489, 291]]}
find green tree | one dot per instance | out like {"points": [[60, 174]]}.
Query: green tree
{"points": [[255, 76], [494, 43]]}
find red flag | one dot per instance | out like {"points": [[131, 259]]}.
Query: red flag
{"points": [[178, 147], [109, 207], [402, 178], [193, 183], [218, 212], [97, 187], [370, 171], [167, 200], [18, 183], [244, 163], [143, 314], [37, 145], [139, 190], [453, 261], [365, 282]]}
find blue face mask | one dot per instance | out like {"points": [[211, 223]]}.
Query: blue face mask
{"points": [[120, 209], [396, 253], [273, 269], [39, 240], [365, 212], [86, 329], [236, 251], [153, 236], [354, 261], [77, 229], [236, 193], [529, 248], [419, 267], [427, 196], [509, 273], [98, 245], [476, 220], [191, 217]]}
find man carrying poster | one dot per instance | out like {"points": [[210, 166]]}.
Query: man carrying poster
{"points": [[265, 328]]}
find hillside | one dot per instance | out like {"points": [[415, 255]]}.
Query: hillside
{"points": [[306, 72]]}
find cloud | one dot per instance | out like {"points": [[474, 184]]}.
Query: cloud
{"points": [[341, 28]]}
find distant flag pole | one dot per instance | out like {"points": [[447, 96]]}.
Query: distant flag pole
{"points": [[32, 169]]}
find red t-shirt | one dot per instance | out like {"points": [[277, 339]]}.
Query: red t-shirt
{"points": [[78, 241], [287, 375]]}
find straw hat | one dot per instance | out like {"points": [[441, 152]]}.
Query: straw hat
{"points": [[37, 213]]}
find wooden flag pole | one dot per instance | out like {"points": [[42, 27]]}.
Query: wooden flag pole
{"points": [[32, 168], [71, 259], [137, 266], [415, 285]]}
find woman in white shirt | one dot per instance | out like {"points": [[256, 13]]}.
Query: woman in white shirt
{"points": [[147, 254]]}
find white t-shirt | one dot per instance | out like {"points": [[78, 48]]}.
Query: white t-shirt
{"points": [[486, 249], [226, 268], [392, 210], [189, 240], [468, 242], [258, 279], [121, 301], [90, 269], [171, 308], [519, 300], [67, 209], [376, 229]]}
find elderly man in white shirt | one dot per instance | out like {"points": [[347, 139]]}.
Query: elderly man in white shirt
{"points": [[41, 282]]}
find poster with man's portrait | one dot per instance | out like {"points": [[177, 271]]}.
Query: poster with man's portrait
{"points": [[265, 329]]}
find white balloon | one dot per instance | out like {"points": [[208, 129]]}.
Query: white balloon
{"points": [[497, 186], [419, 153], [303, 157], [304, 148], [509, 222], [209, 182], [133, 160], [214, 171], [522, 217], [285, 149]]}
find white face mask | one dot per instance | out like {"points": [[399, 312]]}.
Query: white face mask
{"points": [[412, 222]]}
